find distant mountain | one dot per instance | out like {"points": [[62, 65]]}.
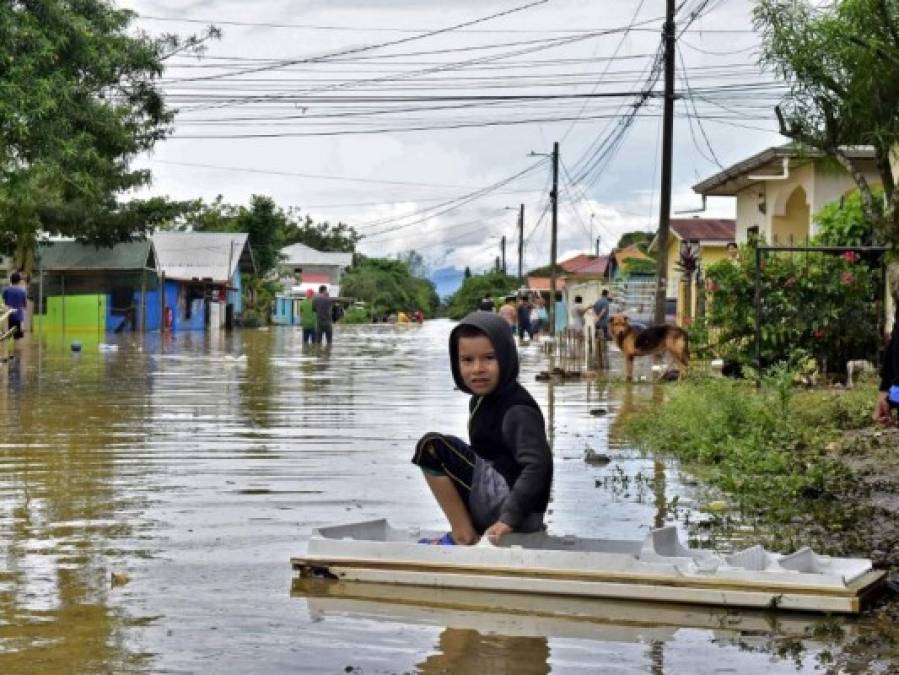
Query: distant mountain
{"points": [[447, 280]]}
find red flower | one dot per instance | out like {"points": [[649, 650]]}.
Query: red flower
{"points": [[850, 257], [846, 277], [711, 285], [819, 333]]}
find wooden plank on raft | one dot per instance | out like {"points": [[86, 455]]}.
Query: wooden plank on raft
{"points": [[729, 595]]}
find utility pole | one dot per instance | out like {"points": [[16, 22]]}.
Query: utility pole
{"points": [[503, 245], [667, 138], [597, 246], [521, 244], [554, 241]]}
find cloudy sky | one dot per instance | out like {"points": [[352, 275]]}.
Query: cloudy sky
{"points": [[369, 112]]}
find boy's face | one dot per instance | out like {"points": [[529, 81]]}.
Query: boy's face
{"points": [[478, 364]]}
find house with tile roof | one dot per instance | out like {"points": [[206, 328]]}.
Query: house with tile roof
{"points": [[708, 238]]}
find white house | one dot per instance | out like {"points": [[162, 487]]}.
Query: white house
{"points": [[304, 267]]}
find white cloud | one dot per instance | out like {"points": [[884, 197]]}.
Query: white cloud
{"points": [[623, 197]]}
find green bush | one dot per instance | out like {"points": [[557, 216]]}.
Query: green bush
{"points": [[474, 289], [251, 318], [821, 303], [843, 223], [757, 445], [356, 315], [387, 285]]}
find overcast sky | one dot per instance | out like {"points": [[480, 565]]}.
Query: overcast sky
{"points": [[249, 114]]}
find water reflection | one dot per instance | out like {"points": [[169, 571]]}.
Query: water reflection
{"points": [[63, 513], [198, 464]]}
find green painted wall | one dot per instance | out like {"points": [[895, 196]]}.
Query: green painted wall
{"points": [[73, 313]]}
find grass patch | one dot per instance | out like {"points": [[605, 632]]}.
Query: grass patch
{"points": [[767, 450]]}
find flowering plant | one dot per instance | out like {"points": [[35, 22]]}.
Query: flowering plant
{"points": [[824, 303]]}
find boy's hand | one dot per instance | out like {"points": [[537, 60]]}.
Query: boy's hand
{"points": [[497, 531]]}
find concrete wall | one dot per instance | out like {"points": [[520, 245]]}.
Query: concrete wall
{"points": [[788, 210]]}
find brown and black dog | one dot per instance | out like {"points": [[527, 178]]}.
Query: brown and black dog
{"points": [[634, 342]]}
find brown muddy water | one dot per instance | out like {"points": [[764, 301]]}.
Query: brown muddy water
{"points": [[151, 497]]}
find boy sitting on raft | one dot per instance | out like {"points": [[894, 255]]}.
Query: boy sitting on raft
{"points": [[500, 483]]}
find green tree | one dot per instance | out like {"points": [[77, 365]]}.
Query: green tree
{"points": [[265, 224], [78, 101], [638, 237], [473, 290], [387, 285], [840, 62], [321, 236]]}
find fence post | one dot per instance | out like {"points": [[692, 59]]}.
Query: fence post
{"points": [[758, 310]]}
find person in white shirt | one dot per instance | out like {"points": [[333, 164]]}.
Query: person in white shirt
{"points": [[577, 314]]}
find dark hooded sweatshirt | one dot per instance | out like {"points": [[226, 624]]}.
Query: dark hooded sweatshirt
{"points": [[506, 427]]}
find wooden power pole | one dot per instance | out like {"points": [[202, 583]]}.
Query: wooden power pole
{"points": [[521, 244], [554, 240], [667, 138], [503, 246]]}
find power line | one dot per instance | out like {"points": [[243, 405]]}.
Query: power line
{"points": [[309, 175], [449, 206], [389, 43], [608, 65]]}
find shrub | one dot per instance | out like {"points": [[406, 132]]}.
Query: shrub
{"points": [[356, 315], [821, 303], [474, 289], [764, 447]]}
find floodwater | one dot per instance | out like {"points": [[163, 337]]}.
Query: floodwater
{"points": [[151, 498]]}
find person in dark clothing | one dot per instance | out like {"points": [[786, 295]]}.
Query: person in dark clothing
{"points": [[888, 398], [500, 483], [524, 318], [323, 307], [487, 304], [602, 308]]}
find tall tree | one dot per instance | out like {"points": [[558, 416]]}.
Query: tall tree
{"points": [[78, 101], [265, 223], [321, 236], [638, 237], [841, 64]]}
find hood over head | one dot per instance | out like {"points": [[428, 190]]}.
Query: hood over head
{"points": [[499, 332]]}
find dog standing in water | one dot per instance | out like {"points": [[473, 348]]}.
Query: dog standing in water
{"points": [[653, 340]]}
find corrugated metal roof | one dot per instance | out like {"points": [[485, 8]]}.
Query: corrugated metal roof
{"points": [[297, 255], [202, 255], [73, 256]]}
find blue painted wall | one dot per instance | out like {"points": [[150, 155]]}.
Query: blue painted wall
{"points": [[152, 318], [180, 321], [235, 297], [282, 311]]}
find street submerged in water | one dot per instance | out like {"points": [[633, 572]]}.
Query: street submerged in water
{"points": [[151, 498]]}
